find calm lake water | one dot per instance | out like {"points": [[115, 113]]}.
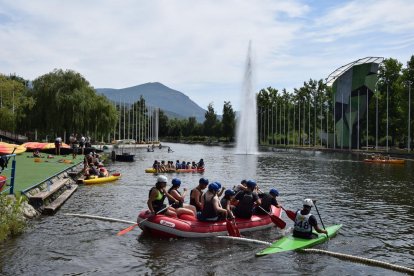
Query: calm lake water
{"points": [[374, 202]]}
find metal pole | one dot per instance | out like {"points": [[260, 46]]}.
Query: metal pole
{"points": [[309, 126], [350, 123], [334, 123], [387, 118], [327, 126], [13, 173], [322, 126], [409, 116], [342, 116], [367, 117], [294, 123], [376, 119], [358, 122]]}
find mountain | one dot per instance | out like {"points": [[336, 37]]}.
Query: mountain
{"points": [[174, 103]]}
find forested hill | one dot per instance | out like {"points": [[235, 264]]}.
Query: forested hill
{"points": [[174, 103]]}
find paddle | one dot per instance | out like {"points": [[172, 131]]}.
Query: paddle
{"points": [[232, 228], [317, 211], [290, 214], [279, 222], [126, 230]]}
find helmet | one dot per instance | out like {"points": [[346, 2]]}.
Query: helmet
{"points": [[229, 193], [176, 182], [213, 187], [251, 184], [162, 178], [308, 202], [218, 184], [274, 191], [203, 181]]}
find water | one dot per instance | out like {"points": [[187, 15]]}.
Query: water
{"points": [[247, 123], [372, 201]]}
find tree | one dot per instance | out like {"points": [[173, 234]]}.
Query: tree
{"points": [[211, 121], [228, 121]]}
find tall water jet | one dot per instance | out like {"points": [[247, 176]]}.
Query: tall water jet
{"points": [[247, 122]]}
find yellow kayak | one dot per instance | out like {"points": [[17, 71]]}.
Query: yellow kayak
{"points": [[100, 180]]}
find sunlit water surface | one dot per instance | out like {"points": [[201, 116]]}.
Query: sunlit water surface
{"points": [[374, 202]]}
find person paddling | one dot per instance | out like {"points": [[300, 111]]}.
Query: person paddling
{"points": [[305, 222], [246, 200], [181, 207], [196, 193], [268, 199], [211, 205], [156, 198]]}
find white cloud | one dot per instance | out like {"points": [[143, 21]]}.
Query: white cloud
{"points": [[199, 47]]}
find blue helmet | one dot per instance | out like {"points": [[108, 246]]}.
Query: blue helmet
{"points": [[218, 184], [274, 192], [251, 184], [213, 187], [203, 181], [229, 193], [176, 182]]}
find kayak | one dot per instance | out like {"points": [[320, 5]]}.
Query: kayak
{"points": [[187, 226], [289, 243], [385, 161], [152, 170], [100, 180]]}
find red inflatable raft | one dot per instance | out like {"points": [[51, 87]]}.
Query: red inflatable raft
{"points": [[189, 227]]}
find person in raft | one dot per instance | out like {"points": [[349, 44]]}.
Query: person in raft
{"points": [[226, 201], [156, 198], [246, 200], [211, 205], [305, 222], [173, 191], [240, 187], [268, 199], [196, 193]]}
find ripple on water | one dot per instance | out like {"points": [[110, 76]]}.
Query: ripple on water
{"points": [[374, 204]]}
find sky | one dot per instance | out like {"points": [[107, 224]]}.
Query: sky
{"points": [[200, 47]]}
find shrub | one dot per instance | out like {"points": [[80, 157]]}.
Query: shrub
{"points": [[12, 221]]}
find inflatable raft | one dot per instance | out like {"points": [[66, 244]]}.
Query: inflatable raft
{"points": [[189, 227], [100, 180], [385, 161], [152, 170]]}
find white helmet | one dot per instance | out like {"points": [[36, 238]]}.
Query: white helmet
{"points": [[308, 202], [162, 178]]}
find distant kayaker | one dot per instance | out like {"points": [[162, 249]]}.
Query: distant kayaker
{"points": [[268, 199], [157, 196], [211, 205], [181, 207], [305, 222], [246, 200], [196, 193]]}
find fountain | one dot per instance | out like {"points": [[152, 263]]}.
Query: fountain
{"points": [[247, 122]]}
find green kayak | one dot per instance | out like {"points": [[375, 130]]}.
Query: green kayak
{"points": [[291, 243]]}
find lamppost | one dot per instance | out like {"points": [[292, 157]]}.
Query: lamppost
{"points": [[409, 116]]}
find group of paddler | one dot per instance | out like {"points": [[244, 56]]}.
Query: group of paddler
{"points": [[170, 166], [242, 201], [93, 166]]}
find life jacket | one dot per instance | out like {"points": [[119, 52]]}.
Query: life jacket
{"points": [[302, 224], [209, 212], [224, 202], [172, 203], [192, 200], [158, 203], [245, 207], [266, 202]]}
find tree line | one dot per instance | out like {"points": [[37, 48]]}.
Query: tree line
{"points": [[64, 101]]}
